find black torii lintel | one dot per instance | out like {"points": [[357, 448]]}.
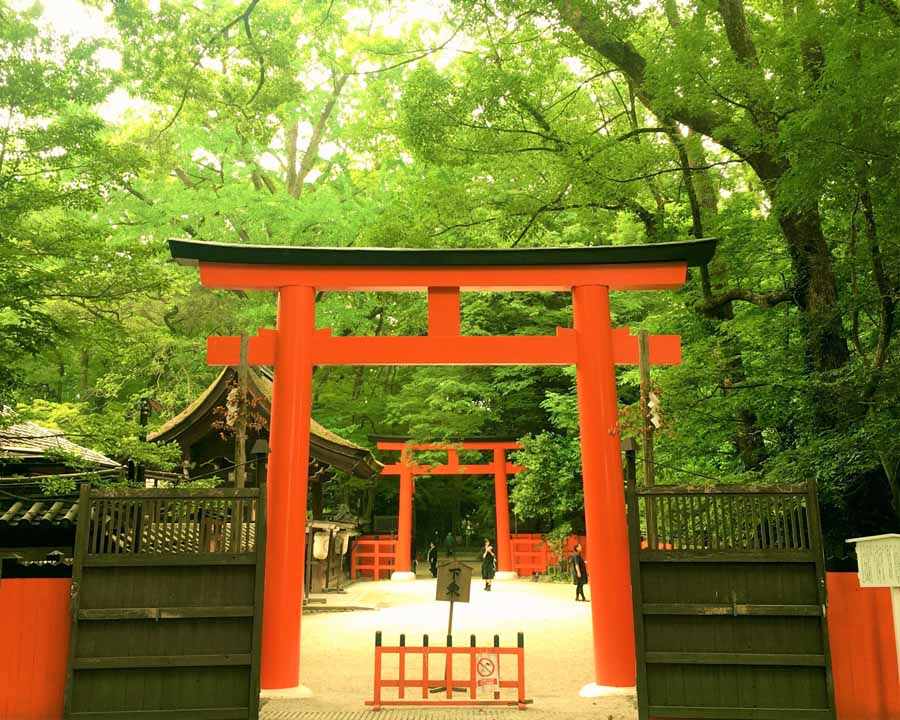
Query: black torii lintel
{"points": [[191, 252]]}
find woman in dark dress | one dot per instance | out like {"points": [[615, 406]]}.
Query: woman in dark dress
{"points": [[432, 559], [579, 573], [488, 564]]}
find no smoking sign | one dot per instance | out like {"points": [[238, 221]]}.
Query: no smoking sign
{"points": [[487, 670]]}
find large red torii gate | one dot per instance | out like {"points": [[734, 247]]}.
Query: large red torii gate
{"points": [[592, 345], [408, 469]]}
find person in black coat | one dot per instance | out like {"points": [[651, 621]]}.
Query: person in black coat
{"points": [[488, 564], [432, 559], [579, 573]]}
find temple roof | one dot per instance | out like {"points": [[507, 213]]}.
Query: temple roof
{"points": [[324, 445], [190, 252], [28, 440]]}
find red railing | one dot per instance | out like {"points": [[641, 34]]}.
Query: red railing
{"points": [[482, 664], [373, 556], [531, 554]]}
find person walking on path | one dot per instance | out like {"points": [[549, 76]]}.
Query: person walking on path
{"points": [[448, 544], [488, 564], [432, 559], [579, 573]]}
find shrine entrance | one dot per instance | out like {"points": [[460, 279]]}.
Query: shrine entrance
{"points": [[408, 470], [592, 345]]}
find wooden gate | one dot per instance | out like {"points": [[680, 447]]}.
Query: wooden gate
{"points": [[729, 596], [166, 605]]}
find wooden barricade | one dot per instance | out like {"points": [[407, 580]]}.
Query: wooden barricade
{"points": [[479, 662], [373, 556]]}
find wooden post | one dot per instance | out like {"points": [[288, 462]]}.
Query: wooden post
{"points": [[632, 502], [240, 423], [647, 426]]}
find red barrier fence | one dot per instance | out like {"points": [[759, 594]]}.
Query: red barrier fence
{"points": [[531, 554], [482, 674], [863, 658], [373, 556], [34, 625]]}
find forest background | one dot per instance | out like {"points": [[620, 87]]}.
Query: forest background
{"points": [[774, 126]]}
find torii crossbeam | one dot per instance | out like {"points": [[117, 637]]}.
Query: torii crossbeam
{"points": [[592, 345]]}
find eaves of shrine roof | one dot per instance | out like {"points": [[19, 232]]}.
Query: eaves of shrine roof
{"points": [[325, 445]]}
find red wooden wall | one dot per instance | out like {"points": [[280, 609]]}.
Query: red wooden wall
{"points": [[34, 625], [373, 556], [530, 554], [863, 658]]}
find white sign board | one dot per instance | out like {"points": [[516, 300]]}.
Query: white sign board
{"points": [[879, 560], [487, 671], [878, 557]]}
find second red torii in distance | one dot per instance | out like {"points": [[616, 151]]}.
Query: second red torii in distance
{"points": [[408, 469]]}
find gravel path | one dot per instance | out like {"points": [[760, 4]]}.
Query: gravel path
{"points": [[336, 655]]}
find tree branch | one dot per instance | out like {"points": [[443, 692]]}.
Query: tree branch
{"points": [[891, 10], [732, 13], [709, 306], [629, 61], [641, 131], [311, 154]]}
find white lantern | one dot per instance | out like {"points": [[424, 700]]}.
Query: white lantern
{"points": [[320, 545]]}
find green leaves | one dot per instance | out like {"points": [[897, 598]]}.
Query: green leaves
{"points": [[366, 123]]}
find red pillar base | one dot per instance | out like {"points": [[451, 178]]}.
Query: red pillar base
{"points": [[403, 576]]}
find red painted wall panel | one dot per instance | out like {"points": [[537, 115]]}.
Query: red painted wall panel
{"points": [[863, 657], [34, 625]]}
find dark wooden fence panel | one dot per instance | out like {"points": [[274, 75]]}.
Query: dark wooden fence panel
{"points": [[166, 604], [729, 593]]}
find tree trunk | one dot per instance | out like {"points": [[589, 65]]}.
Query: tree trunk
{"points": [[816, 289], [748, 439], [84, 380]]}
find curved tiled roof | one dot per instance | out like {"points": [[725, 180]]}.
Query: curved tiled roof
{"points": [[30, 440], [325, 445]]}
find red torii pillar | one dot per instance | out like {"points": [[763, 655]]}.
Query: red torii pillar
{"points": [[297, 273], [408, 469], [501, 509], [404, 523]]}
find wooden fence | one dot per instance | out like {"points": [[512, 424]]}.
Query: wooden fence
{"points": [[729, 595], [34, 625], [166, 604]]}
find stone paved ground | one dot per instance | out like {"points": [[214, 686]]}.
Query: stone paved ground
{"points": [[336, 655]]}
